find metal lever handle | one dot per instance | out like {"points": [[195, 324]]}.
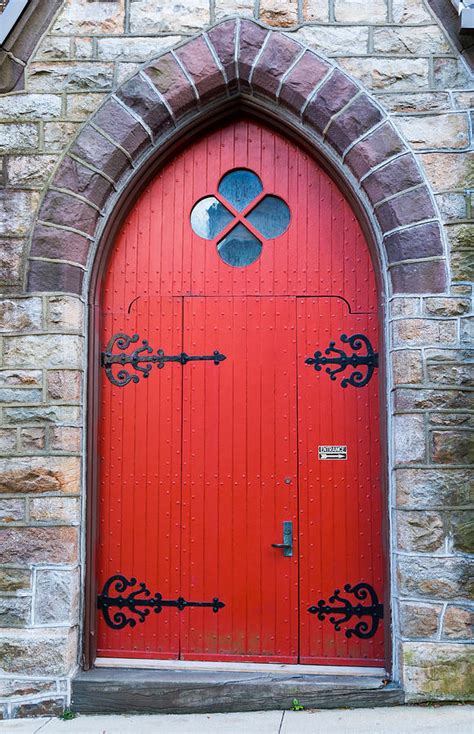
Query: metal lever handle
{"points": [[287, 545]]}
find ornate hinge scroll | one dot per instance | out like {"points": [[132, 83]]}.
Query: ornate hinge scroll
{"points": [[357, 378], [142, 359], [342, 610], [139, 602]]}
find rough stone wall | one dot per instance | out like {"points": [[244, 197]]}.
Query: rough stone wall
{"points": [[397, 50]]}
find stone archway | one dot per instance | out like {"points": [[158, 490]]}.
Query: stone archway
{"points": [[239, 60]]}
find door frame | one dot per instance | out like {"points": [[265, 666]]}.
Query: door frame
{"points": [[214, 117]]}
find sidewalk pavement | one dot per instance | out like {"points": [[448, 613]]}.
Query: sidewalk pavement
{"points": [[393, 720]]}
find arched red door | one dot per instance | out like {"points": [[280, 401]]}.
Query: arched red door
{"points": [[240, 501]]}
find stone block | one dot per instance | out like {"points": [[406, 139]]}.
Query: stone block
{"points": [[461, 375], [275, 60], [409, 439], [201, 66], [47, 707], [452, 447], [420, 531], [446, 306], [51, 350], [358, 11], [424, 332], [24, 545], [16, 688], [400, 174], [60, 208], [58, 135], [148, 16], [13, 580], [415, 101], [435, 577], [251, 39], [465, 420], [21, 378], [81, 106], [223, 8], [44, 276], [403, 306], [141, 96], [439, 398], [64, 385], [419, 241], [7, 440], [420, 277], [379, 145], [32, 439], [462, 530], [388, 73], [453, 206], [29, 171], [279, 13], [134, 48], [419, 620], [314, 11], [13, 395], [458, 623], [54, 48], [17, 210], [21, 314], [40, 475], [330, 98], [38, 652], [35, 107], [70, 76], [93, 148], [65, 438], [11, 252], [223, 39], [435, 131], [448, 170], [449, 73], [83, 48], [65, 313], [407, 367], [432, 670], [47, 414], [422, 41], [301, 80], [462, 266], [171, 82], [410, 11], [18, 137], [15, 611], [407, 208], [64, 510], [332, 40], [74, 176], [122, 127], [12, 510], [57, 597], [90, 17], [358, 118]]}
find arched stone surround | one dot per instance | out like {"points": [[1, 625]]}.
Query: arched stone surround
{"points": [[239, 62]]}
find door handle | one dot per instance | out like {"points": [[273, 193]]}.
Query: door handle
{"points": [[287, 545]]}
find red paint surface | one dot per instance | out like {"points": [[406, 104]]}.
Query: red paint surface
{"points": [[193, 460]]}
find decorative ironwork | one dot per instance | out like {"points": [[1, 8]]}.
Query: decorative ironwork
{"points": [[142, 359], [139, 602], [343, 360], [361, 591]]}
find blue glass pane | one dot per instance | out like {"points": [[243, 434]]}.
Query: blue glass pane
{"points": [[271, 217], [239, 248], [240, 187], [209, 217]]}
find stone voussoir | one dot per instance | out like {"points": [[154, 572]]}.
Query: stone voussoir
{"points": [[142, 97], [301, 81], [114, 120], [334, 94], [276, 58], [223, 39], [201, 66]]}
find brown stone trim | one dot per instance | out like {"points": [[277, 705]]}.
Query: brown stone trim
{"points": [[447, 16], [21, 42], [242, 58]]}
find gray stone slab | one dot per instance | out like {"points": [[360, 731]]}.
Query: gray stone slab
{"points": [[104, 690]]}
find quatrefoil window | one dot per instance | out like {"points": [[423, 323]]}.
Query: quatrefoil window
{"points": [[244, 214]]}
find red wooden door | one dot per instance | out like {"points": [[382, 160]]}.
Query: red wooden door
{"points": [[240, 262]]}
